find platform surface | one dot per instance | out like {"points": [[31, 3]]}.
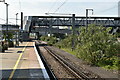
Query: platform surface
{"points": [[21, 62]]}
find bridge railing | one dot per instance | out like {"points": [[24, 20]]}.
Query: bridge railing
{"points": [[78, 21]]}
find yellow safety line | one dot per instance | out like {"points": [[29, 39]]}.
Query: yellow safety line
{"points": [[15, 67]]}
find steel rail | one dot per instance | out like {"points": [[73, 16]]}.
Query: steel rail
{"points": [[70, 67], [50, 73]]}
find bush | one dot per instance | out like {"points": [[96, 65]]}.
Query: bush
{"points": [[10, 44], [50, 40], [95, 45], [43, 38], [3, 46]]}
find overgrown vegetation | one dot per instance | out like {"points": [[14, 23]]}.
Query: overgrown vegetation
{"points": [[8, 38], [7, 41], [95, 45], [50, 40]]}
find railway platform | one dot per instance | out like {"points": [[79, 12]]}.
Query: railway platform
{"points": [[22, 62]]}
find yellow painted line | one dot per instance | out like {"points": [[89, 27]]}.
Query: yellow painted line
{"points": [[15, 67]]}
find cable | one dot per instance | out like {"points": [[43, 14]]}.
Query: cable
{"points": [[14, 18], [115, 6], [60, 6], [52, 6], [5, 20], [20, 5], [2, 19], [109, 8]]}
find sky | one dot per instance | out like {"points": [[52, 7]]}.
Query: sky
{"points": [[40, 7]]}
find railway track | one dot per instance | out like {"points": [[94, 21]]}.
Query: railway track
{"points": [[73, 70], [49, 71]]}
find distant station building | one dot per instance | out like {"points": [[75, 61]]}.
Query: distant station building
{"points": [[8, 28]]}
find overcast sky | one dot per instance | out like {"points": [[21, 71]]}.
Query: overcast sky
{"points": [[40, 7]]}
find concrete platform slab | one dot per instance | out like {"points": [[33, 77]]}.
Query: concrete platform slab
{"points": [[22, 62]]}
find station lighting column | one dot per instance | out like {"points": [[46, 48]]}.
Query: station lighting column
{"points": [[87, 16], [16, 17], [7, 20]]}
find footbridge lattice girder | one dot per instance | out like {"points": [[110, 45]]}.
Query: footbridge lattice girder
{"points": [[49, 21], [79, 21]]}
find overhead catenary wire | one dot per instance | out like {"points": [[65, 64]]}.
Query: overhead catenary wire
{"points": [[5, 20], [60, 6], [2, 19], [52, 6], [20, 5], [14, 18], [108, 9]]}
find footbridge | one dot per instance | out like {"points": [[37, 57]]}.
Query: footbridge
{"points": [[44, 24]]}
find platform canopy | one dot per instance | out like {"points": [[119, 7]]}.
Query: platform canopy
{"points": [[9, 27]]}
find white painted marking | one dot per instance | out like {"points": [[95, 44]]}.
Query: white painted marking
{"points": [[41, 64]]}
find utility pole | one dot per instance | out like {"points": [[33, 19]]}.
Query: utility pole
{"points": [[16, 18], [86, 17], [7, 13], [21, 20], [73, 31], [17, 33], [7, 19]]}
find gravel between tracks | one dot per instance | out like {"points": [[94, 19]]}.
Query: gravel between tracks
{"points": [[57, 68]]}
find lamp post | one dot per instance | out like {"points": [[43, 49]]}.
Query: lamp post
{"points": [[7, 20], [16, 18], [7, 13], [17, 33], [87, 15]]}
